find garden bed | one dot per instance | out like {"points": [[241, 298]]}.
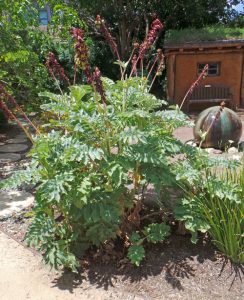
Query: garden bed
{"points": [[174, 269]]}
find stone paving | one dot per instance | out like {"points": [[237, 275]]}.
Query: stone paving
{"points": [[13, 148], [14, 202]]}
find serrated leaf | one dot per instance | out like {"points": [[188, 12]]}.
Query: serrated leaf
{"points": [[156, 232], [135, 237], [136, 254]]}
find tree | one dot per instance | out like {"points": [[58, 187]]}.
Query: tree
{"points": [[130, 19]]}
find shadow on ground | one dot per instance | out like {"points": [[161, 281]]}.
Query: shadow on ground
{"points": [[167, 268]]}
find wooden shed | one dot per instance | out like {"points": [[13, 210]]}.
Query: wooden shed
{"points": [[225, 77]]}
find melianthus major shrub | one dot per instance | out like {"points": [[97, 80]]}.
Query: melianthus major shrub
{"points": [[104, 144], [84, 165]]}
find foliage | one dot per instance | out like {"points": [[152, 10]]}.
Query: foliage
{"points": [[129, 20], [204, 34], [24, 48], [153, 233], [84, 165], [20, 67], [214, 203]]}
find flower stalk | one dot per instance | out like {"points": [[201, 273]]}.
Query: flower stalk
{"points": [[8, 113], [195, 83], [4, 95], [100, 24], [55, 69], [160, 68], [156, 28]]}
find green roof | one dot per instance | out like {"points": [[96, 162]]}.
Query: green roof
{"points": [[193, 35]]}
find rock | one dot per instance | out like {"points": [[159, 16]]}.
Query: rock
{"points": [[19, 140], [33, 114], [191, 143], [232, 150], [13, 148], [21, 135], [210, 150], [14, 201], [9, 157], [237, 157], [217, 151], [213, 151], [115, 150]]}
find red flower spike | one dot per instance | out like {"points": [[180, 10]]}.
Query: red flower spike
{"points": [[203, 74], [96, 80], [99, 22], [81, 50], [54, 68], [156, 27]]}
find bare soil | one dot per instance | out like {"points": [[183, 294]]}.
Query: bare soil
{"points": [[174, 269]]}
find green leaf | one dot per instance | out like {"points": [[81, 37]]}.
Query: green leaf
{"points": [[121, 63], [135, 238], [136, 254], [79, 91], [156, 232]]}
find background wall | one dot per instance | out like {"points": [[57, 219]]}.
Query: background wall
{"points": [[182, 72]]}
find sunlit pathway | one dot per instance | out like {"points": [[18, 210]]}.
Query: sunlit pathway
{"points": [[23, 276]]}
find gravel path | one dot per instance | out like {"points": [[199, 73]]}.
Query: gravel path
{"points": [[24, 276]]}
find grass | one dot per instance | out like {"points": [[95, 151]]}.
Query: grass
{"points": [[225, 214], [203, 34]]}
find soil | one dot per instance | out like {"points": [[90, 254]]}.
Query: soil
{"points": [[175, 269]]}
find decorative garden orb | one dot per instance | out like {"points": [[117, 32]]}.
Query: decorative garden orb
{"points": [[221, 125]]}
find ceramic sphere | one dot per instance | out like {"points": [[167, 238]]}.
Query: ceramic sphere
{"points": [[222, 127]]}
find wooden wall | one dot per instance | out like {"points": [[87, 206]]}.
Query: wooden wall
{"points": [[182, 72]]}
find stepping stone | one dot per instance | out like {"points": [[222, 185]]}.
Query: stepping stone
{"points": [[14, 201], [9, 157], [18, 140], [13, 148], [233, 150]]}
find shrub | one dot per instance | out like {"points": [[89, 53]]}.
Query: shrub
{"points": [[105, 143], [85, 164]]}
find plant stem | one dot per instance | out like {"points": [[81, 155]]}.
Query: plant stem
{"points": [[159, 66], [75, 71], [133, 68], [127, 63], [155, 60], [18, 122], [56, 81]]}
